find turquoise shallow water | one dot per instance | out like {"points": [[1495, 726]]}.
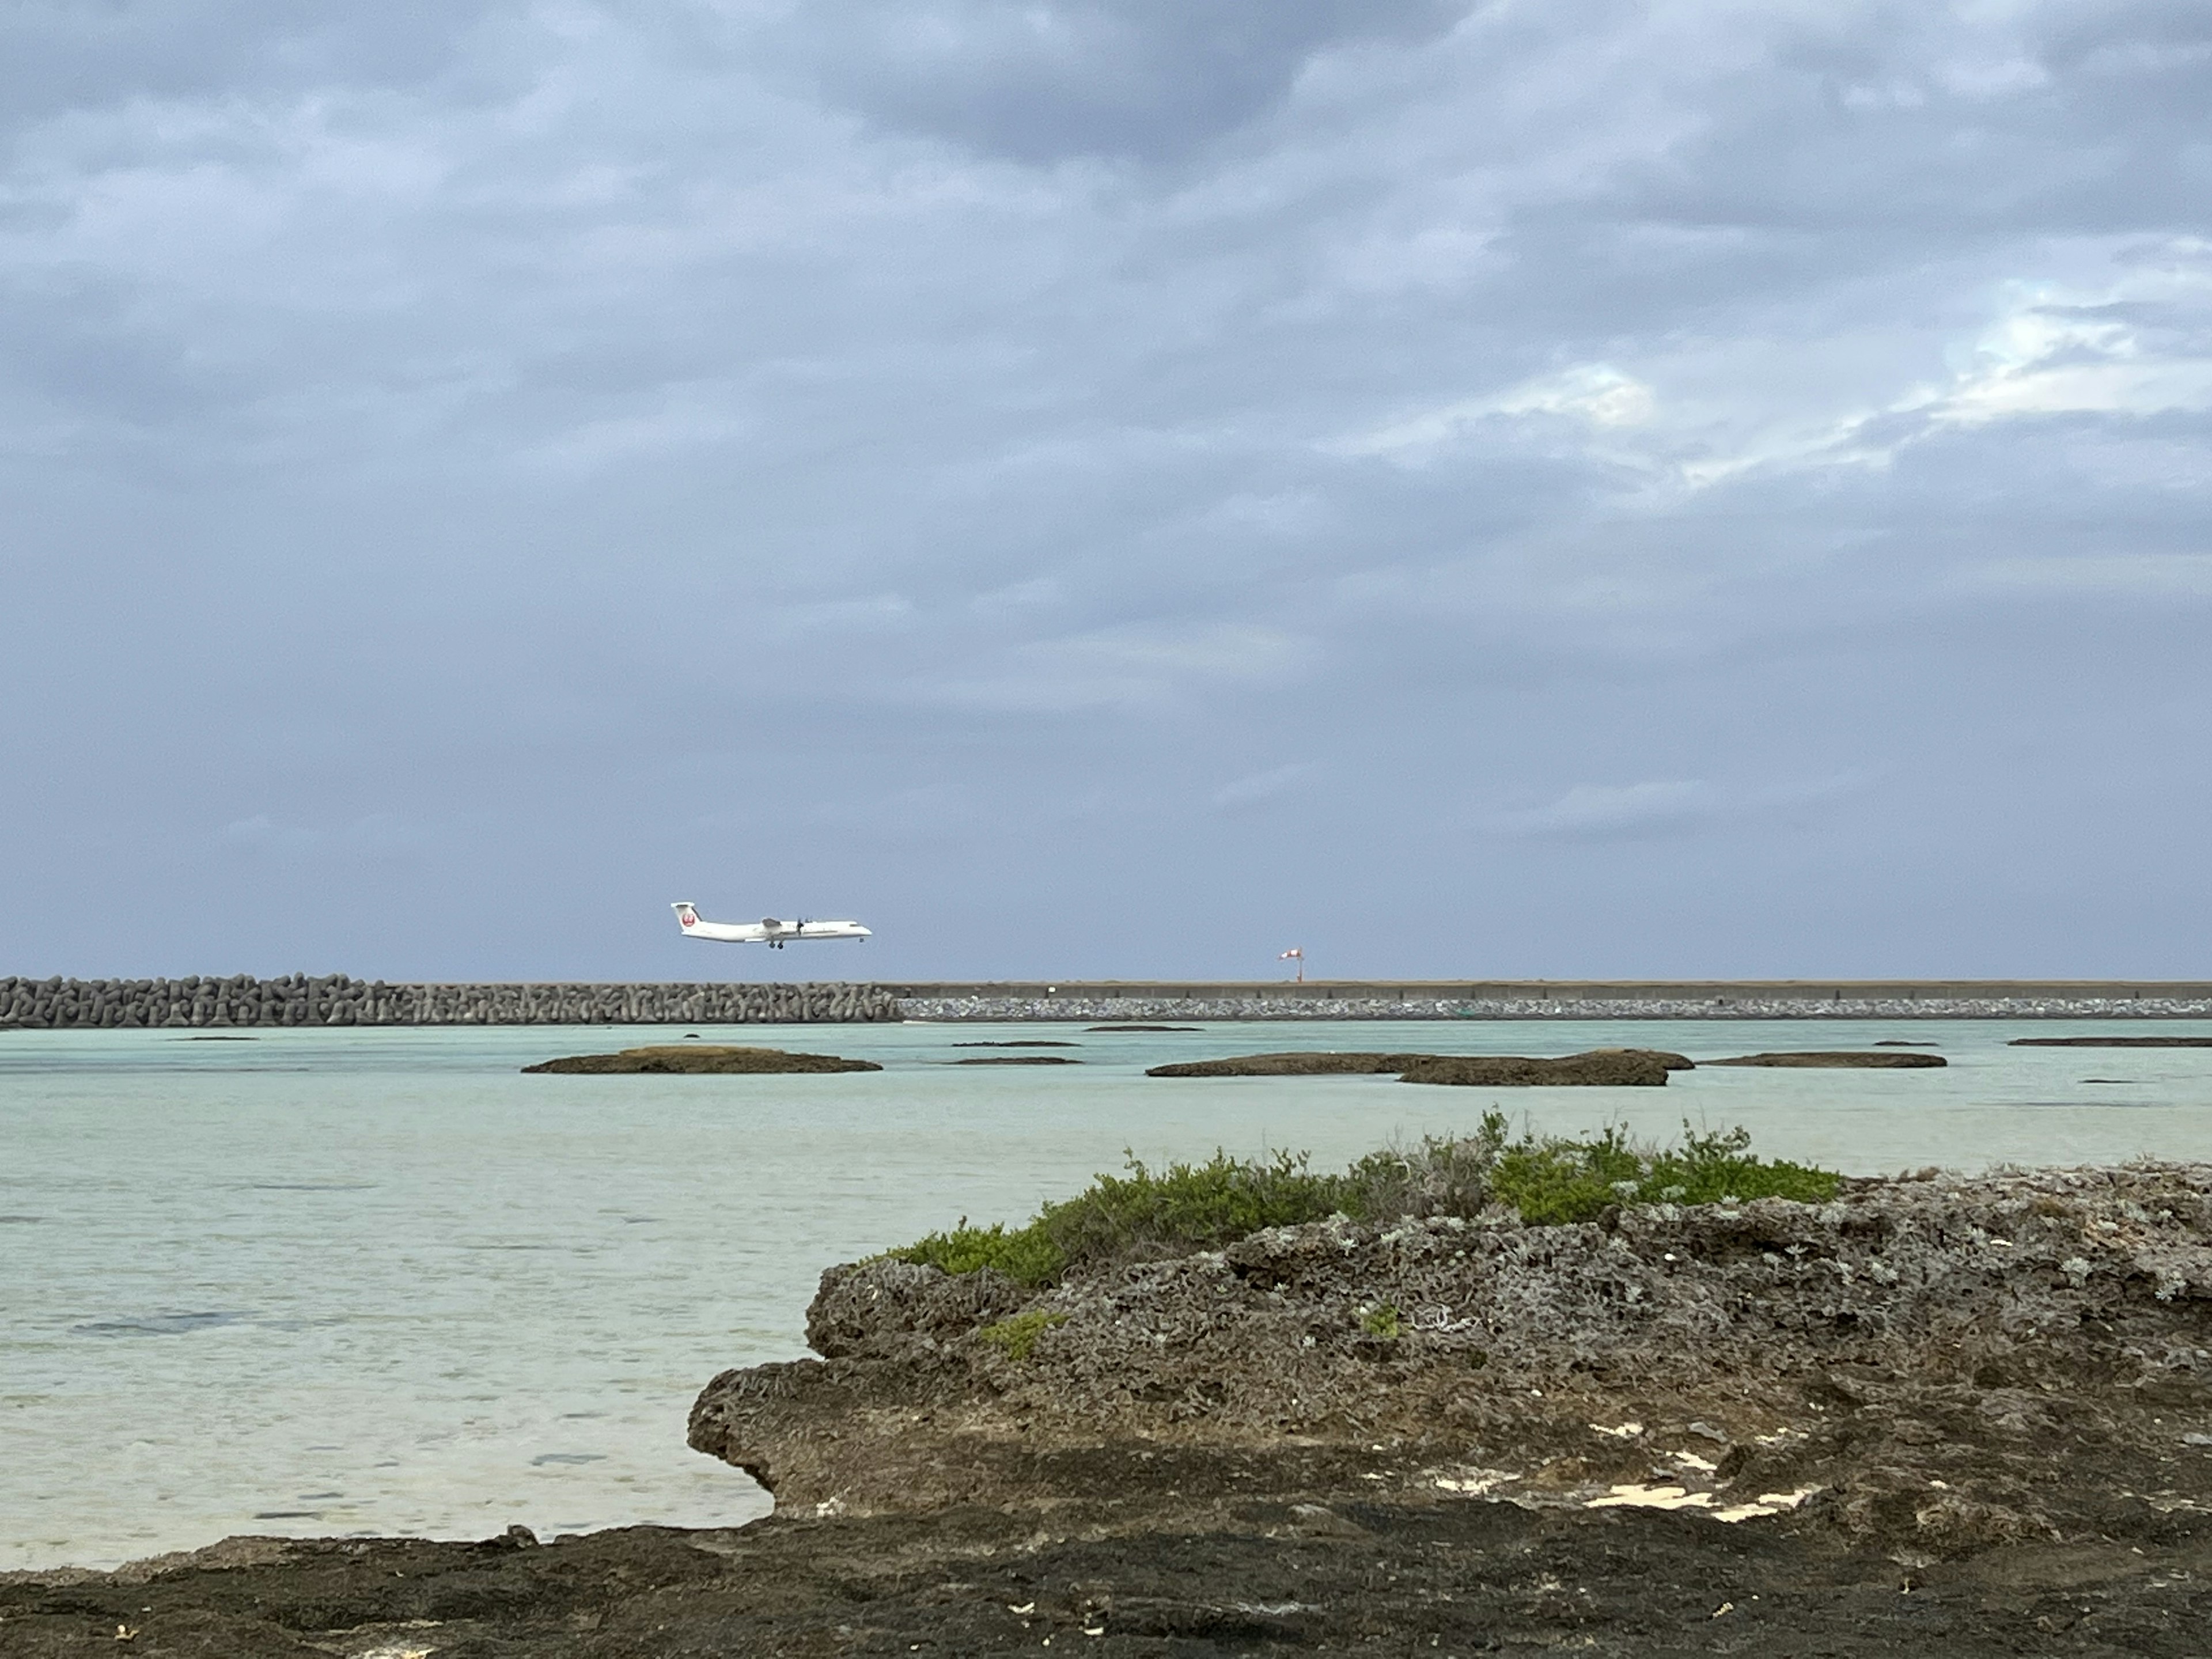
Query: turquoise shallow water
{"points": [[377, 1281]]}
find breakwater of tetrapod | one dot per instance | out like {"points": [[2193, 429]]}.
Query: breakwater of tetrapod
{"points": [[335, 999], [58, 1004]]}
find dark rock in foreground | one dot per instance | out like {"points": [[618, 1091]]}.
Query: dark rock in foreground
{"points": [[702, 1058], [1826, 1058], [1017, 1060], [1600, 1068], [2111, 1042], [1178, 1558]]}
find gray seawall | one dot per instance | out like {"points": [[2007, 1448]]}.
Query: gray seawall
{"points": [[58, 1004]]}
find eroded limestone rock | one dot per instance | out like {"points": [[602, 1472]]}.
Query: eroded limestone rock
{"points": [[1942, 1363]]}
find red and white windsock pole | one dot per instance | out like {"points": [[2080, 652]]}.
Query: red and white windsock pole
{"points": [[1296, 953]]}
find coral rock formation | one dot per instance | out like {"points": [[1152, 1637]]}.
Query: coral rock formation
{"points": [[1932, 1364], [686, 1058], [1599, 1068], [1887, 1059]]}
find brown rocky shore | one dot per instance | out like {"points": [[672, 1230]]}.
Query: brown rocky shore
{"points": [[1937, 1416], [1598, 1068], [701, 1059]]}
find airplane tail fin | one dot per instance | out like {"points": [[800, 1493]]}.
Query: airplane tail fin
{"points": [[687, 915]]}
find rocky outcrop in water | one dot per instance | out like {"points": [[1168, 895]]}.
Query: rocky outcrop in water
{"points": [[1598, 1068], [1878, 1059], [242, 1000], [702, 1059], [2111, 1042], [1925, 1366], [1290, 1064]]}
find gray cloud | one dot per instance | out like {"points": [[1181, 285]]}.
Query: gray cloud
{"points": [[1042, 82], [1662, 806], [938, 463], [1264, 791]]}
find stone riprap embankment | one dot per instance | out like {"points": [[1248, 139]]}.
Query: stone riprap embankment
{"points": [[83, 1005], [1136, 1002]]}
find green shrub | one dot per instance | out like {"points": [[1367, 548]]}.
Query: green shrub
{"points": [[1717, 1168], [1382, 1321], [1015, 1337], [1185, 1207], [1025, 1255], [1554, 1180], [1445, 1176], [1146, 1215]]}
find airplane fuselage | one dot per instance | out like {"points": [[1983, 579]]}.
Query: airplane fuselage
{"points": [[769, 931]]}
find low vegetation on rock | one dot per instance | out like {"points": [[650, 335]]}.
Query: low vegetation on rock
{"points": [[1154, 1215], [1016, 1336], [1550, 1181], [1382, 1321]]}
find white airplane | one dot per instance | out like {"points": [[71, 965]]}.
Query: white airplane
{"points": [[767, 930]]}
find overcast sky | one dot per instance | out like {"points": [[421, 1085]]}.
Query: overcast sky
{"points": [[1566, 488]]}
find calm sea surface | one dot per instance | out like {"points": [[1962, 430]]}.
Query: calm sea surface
{"points": [[376, 1282]]}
